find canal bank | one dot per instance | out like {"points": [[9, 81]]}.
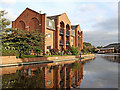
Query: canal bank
{"points": [[13, 61]]}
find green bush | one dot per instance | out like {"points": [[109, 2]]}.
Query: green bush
{"points": [[54, 51], [74, 50], [9, 52]]}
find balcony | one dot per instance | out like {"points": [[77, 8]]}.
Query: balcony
{"points": [[67, 33], [61, 31], [61, 43], [67, 43]]}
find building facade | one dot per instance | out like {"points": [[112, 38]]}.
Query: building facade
{"points": [[111, 48], [60, 34]]}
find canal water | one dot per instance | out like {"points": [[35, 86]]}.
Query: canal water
{"points": [[101, 72]]}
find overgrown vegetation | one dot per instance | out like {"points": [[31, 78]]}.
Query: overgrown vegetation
{"points": [[24, 42], [9, 52], [21, 41], [74, 50], [88, 48], [3, 21]]}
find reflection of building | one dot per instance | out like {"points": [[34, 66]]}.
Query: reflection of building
{"points": [[112, 58], [60, 34], [111, 47], [55, 76]]}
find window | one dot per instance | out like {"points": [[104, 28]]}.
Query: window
{"points": [[49, 82], [48, 35], [48, 47], [50, 24]]}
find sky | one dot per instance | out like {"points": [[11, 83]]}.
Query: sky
{"points": [[98, 19]]}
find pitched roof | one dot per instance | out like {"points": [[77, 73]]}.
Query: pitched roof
{"points": [[25, 10], [53, 17], [73, 27], [113, 45]]}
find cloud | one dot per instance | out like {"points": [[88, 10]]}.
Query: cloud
{"points": [[69, 0], [89, 7], [110, 24], [100, 38], [99, 18], [7, 2]]}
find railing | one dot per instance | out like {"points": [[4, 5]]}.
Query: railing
{"points": [[67, 33], [67, 43], [61, 42], [61, 31]]}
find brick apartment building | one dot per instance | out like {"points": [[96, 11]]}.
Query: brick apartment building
{"points": [[60, 34]]}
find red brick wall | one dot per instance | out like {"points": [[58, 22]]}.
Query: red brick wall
{"points": [[31, 20]]}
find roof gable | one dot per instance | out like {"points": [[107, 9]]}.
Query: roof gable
{"points": [[27, 9], [64, 17]]}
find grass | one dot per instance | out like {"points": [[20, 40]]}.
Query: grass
{"points": [[32, 56]]}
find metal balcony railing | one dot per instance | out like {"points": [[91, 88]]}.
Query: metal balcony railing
{"points": [[61, 42], [67, 33], [61, 31]]}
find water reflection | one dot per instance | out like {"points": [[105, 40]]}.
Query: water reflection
{"points": [[63, 75], [112, 58], [100, 73]]}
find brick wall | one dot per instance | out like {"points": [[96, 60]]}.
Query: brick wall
{"points": [[13, 59], [32, 20], [49, 40]]}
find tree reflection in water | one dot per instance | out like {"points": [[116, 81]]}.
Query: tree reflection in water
{"points": [[62, 75]]}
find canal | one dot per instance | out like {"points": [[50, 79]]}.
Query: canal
{"points": [[101, 72]]}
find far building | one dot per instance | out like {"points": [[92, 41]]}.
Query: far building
{"points": [[111, 48], [60, 34]]}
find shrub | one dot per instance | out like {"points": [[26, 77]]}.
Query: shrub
{"points": [[9, 52], [54, 51], [38, 51], [67, 52], [74, 50]]}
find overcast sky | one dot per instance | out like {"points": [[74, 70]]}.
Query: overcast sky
{"points": [[98, 19]]}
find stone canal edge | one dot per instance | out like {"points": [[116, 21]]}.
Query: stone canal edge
{"points": [[8, 61]]}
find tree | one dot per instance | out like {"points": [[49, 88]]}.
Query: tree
{"points": [[87, 47], [38, 50], [23, 41], [3, 21], [74, 50]]}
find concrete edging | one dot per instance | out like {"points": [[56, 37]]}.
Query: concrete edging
{"points": [[49, 60]]}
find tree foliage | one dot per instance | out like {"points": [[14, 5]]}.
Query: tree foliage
{"points": [[87, 47], [3, 21], [24, 42], [74, 50]]}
